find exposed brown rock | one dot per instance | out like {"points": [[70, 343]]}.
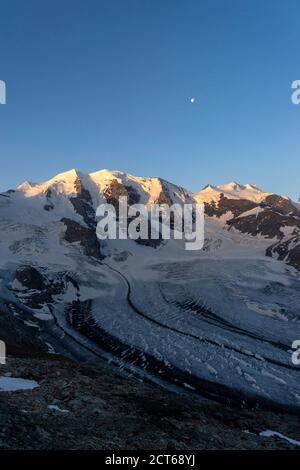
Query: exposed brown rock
{"points": [[113, 192], [236, 206], [83, 203], [281, 204], [86, 236], [164, 195], [266, 223]]}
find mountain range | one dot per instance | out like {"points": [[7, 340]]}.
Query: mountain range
{"points": [[218, 323]]}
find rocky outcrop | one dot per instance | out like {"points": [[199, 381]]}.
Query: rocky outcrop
{"points": [[49, 206], [281, 204], [31, 278], [266, 223], [17, 336], [274, 214], [294, 256], [37, 290], [288, 251], [83, 203], [117, 412], [113, 192], [85, 236], [164, 195], [132, 194], [225, 205]]}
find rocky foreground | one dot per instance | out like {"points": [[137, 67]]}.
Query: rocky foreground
{"points": [[81, 407]]}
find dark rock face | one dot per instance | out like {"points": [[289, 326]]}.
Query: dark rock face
{"points": [[294, 257], [40, 288], [266, 223], [116, 189], [82, 204], [277, 212], [133, 195], [112, 195], [236, 206], [165, 196], [280, 249], [49, 206], [281, 204], [288, 250], [16, 335], [86, 236], [31, 278], [113, 192]]}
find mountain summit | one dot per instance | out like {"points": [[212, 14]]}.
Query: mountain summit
{"points": [[72, 197], [233, 190]]}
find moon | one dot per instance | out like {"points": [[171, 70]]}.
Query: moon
{"points": [[192, 100]]}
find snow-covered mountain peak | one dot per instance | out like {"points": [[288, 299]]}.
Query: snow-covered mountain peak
{"points": [[62, 183], [105, 184], [73, 197], [231, 190], [253, 186], [232, 186], [209, 187]]}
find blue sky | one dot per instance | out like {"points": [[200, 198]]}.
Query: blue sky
{"points": [[95, 84]]}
